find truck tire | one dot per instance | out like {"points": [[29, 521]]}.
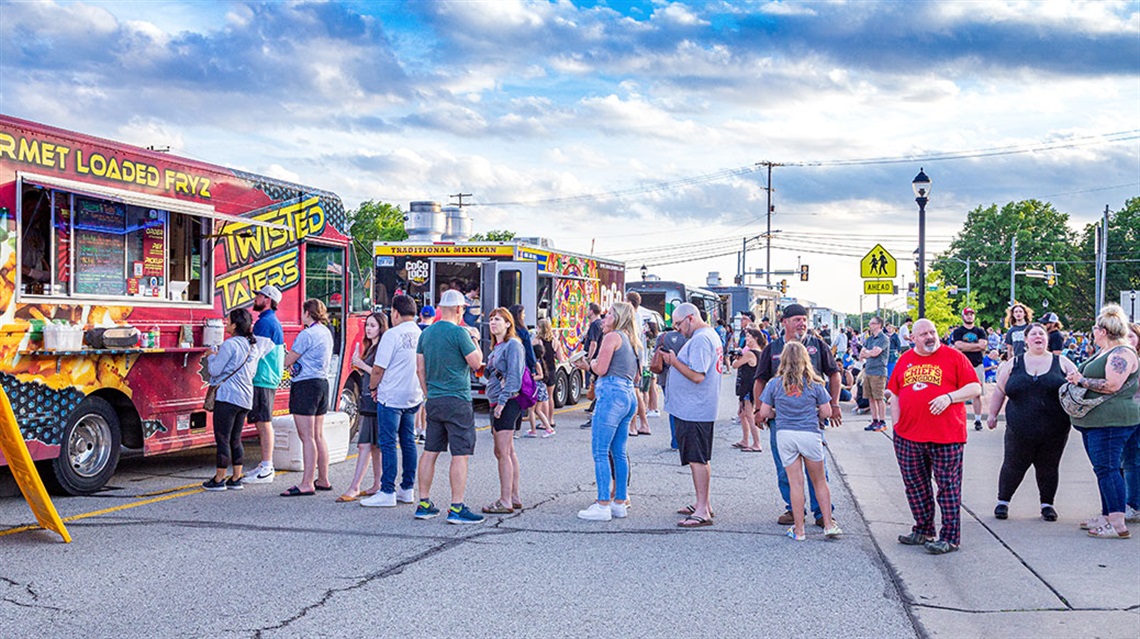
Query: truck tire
{"points": [[561, 389], [89, 451], [348, 404], [575, 387]]}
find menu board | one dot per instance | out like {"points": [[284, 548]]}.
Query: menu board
{"points": [[100, 248], [154, 250]]}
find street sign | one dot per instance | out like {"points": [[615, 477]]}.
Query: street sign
{"points": [[878, 263], [878, 287]]}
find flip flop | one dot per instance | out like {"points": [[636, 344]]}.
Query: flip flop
{"points": [[644, 432], [690, 509], [320, 487], [697, 522], [344, 499], [297, 492], [738, 445], [633, 434], [751, 450]]}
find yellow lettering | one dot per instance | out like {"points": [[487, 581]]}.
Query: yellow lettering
{"points": [[63, 151], [113, 170], [205, 190], [170, 175], [98, 165], [236, 287], [80, 166], [7, 146], [29, 151]]}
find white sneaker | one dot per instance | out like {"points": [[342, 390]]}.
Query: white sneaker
{"points": [[596, 512], [406, 496], [653, 413], [263, 474], [619, 511], [1131, 515], [379, 500]]}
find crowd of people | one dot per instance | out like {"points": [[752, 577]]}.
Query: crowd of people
{"points": [[790, 379]]}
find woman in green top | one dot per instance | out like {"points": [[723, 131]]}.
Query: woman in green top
{"points": [[1106, 428]]}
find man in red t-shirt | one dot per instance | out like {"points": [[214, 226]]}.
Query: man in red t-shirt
{"points": [[931, 382]]}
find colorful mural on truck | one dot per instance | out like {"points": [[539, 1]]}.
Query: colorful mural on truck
{"points": [[101, 234]]}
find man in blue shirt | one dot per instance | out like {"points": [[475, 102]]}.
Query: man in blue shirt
{"points": [[266, 380], [876, 350]]}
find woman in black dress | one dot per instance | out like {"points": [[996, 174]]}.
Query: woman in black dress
{"points": [[1036, 427]]}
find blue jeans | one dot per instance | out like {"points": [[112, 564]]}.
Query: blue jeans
{"points": [[1130, 466], [672, 432], [615, 408], [1105, 448], [782, 478], [393, 423]]}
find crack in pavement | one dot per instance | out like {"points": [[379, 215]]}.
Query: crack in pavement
{"points": [[1005, 610], [31, 592], [365, 580]]}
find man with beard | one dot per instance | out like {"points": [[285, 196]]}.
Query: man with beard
{"points": [[931, 384], [266, 380], [795, 329]]}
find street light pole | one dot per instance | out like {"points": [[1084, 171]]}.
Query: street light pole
{"points": [[921, 185]]}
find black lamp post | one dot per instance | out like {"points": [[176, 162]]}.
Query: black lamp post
{"points": [[644, 272], [921, 186]]}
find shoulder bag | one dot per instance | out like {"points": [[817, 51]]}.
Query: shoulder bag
{"points": [[1075, 400]]}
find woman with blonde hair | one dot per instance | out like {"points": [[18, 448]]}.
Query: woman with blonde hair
{"points": [[309, 396], [552, 353], [1105, 429], [616, 367], [797, 400], [504, 376], [1017, 319]]}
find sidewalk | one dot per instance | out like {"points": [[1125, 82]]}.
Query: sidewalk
{"points": [[1022, 577]]}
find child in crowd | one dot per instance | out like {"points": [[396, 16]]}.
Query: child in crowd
{"points": [[990, 364]]}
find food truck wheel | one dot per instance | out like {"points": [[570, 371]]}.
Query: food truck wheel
{"points": [[575, 388], [89, 452], [561, 389], [348, 398]]}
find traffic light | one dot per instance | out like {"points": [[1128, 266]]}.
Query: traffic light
{"points": [[1050, 275], [803, 272], [783, 287]]}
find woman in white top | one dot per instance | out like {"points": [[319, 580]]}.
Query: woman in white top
{"points": [[309, 397]]}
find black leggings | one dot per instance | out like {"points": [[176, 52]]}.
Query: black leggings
{"points": [[228, 422], [1021, 452]]}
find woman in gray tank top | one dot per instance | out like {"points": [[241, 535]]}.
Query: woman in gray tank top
{"points": [[616, 365]]}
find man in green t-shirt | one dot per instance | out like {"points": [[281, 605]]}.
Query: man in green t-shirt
{"points": [[444, 356]]}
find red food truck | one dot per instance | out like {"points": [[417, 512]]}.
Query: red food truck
{"points": [[96, 234]]}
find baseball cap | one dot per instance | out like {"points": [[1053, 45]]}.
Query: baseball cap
{"points": [[272, 292], [1049, 318], [673, 340], [428, 311], [452, 297], [967, 310], [683, 311], [794, 310]]}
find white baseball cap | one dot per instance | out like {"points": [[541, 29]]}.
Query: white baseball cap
{"points": [[452, 297], [272, 292]]}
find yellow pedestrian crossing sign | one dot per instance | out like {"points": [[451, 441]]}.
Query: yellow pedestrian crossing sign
{"points": [[878, 263]]}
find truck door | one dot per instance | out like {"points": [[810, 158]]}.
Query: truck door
{"points": [[508, 283]]}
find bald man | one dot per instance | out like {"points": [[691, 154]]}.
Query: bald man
{"points": [[931, 383]]}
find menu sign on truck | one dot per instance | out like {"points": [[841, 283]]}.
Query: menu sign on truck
{"points": [[100, 250]]}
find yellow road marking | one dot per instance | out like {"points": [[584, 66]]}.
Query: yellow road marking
{"points": [[164, 495]]}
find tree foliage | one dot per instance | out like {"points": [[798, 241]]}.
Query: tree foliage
{"points": [[494, 235], [371, 222], [939, 305]]}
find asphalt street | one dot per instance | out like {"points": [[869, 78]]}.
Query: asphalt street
{"points": [[154, 555]]}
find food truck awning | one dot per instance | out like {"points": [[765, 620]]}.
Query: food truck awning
{"points": [[144, 200]]}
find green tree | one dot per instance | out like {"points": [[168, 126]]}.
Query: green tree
{"points": [[494, 235], [1043, 237], [371, 222], [939, 306], [1123, 262]]}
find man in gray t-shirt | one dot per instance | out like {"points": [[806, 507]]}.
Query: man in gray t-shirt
{"points": [[876, 352], [692, 398]]}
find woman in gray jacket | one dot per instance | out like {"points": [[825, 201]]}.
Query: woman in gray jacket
{"points": [[232, 366], [504, 374]]}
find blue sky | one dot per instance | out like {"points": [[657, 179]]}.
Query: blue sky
{"points": [[530, 104]]}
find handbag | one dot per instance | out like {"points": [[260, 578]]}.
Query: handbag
{"points": [[1075, 399], [212, 391]]}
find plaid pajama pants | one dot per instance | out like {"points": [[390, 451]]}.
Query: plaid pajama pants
{"points": [[918, 461]]}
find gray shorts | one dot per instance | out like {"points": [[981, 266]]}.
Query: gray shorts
{"points": [[450, 426], [369, 431], [799, 443]]}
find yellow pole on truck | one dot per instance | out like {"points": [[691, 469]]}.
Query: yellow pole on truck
{"points": [[16, 452]]}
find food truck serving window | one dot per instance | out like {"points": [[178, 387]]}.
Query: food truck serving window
{"points": [[85, 245]]}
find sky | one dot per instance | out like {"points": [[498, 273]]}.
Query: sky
{"points": [[634, 130]]}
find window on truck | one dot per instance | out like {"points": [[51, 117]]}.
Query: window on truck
{"points": [[324, 280], [510, 288], [545, 297], [83, 246]]}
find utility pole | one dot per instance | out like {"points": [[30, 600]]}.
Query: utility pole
{"points": [[1012, 269], [768, 235], [1102, 264], [460, 196]]}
